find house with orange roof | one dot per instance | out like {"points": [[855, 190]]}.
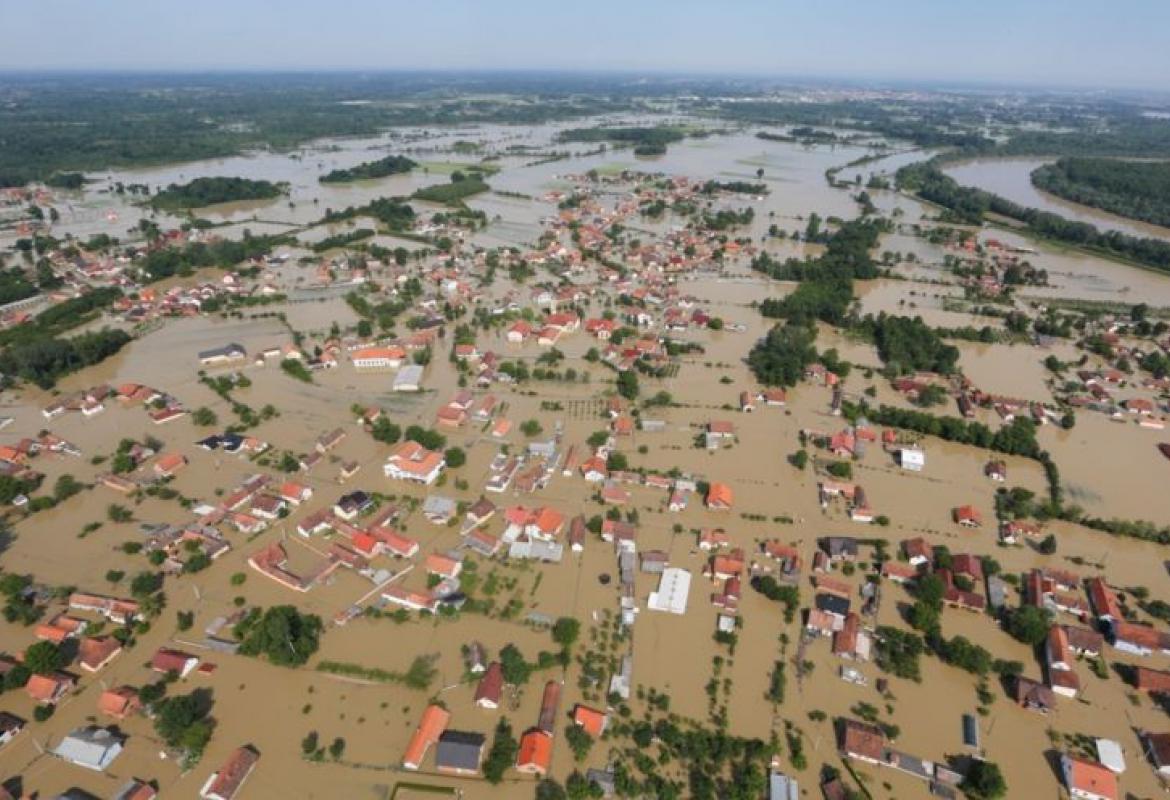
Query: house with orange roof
{"points": [[451, 416], [1141, 640], [119, 703], [774, 397], [594, 469], [727, 566], [415, 601], [719, 497], [520, 332], [225, 784], [443, 566], [49, 689], [434, 721], [1088, 780], [1153, 681], [591, 720], [713, 539], [410, 461], [295, 493], [1104, 600], [169, 464], [94, 653], [614, 495], [375, 358], [967, 516], [167, 660], [898, 573], [114, 609], [395, 543], [563, 322], [535, 752], [47, 632]]}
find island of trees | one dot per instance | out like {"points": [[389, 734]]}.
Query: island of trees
{"points": [[390, 165], [646, 141], [209, 191], [461, 187], [1136, 189]]}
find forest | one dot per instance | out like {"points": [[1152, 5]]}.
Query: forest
{"points": [[390, 165], [648, 141], [209, 191], [43, 361], [1136, 189]]}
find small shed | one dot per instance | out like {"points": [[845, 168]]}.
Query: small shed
{"points": [[970, 731]]}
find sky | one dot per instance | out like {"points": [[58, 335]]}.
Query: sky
{"points": [[1082, 43]]}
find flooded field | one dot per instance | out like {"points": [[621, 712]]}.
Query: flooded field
{"points": [[1110, 469]]}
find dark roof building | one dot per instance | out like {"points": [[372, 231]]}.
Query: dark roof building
{"points": [[459, 752], [832, 604]]}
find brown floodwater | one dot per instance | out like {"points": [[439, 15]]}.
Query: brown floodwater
{"points": [[1109, 468]]}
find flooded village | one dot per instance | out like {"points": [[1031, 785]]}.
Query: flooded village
{"points": [[454, 491]]}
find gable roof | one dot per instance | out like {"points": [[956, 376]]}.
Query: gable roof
{"points": [[430, 727]]}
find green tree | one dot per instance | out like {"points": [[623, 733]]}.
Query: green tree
{"points": [[44, 658], [579, 741], [565, 631], [514, 666], [781, 357], [204, 417], [182, 722], [549, 789], [455, 457], [283, 635], [502, 754], [309, 743], [984, 781], [627, 384], [1028, 624]]}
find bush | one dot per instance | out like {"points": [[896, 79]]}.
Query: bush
{"points": [[455, 457]]}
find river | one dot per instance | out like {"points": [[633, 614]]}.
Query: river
{"points": [[1011, 178]]}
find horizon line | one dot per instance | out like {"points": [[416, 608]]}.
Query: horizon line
{"points": [[874, 81]]}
